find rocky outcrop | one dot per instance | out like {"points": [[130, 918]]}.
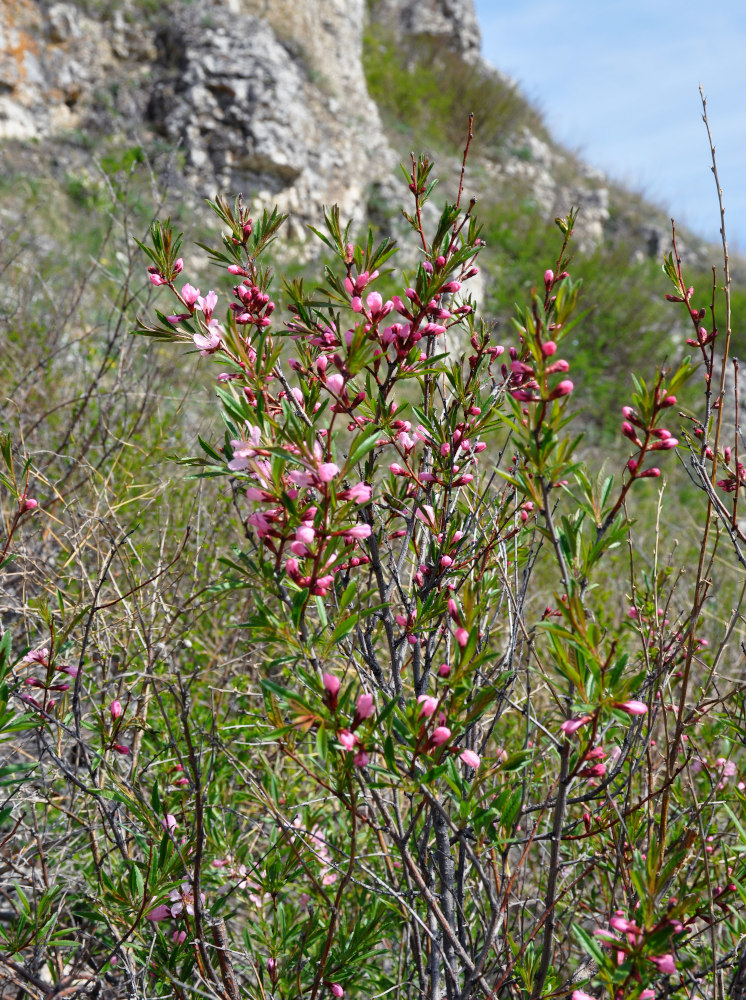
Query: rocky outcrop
{"points": [[255, 114], [267, 97], [452, 22], [261, 96]]}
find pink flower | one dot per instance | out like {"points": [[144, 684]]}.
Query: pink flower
{"points": [[570, 726], [337, 990], [347, 739], [360, 493], [210, 342], [169, 823], [461, 636], [357, 532], [580, 995], [360, 759], [183, 899], [179, 937], [116, 709], [27, 503], [647, 995], [335, 383], [632, 707], [207, 305], [161, 912], [444, 670], [37, 656], [426, 514], [428, 705], [563, 389], [624, 926], [190, 294], [332, 684], [440, 735], [328, 471], [470, 758], [305, 534], [665, 964], [365, 706]]}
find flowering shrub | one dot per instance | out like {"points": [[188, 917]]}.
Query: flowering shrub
{"points": [[451, 764]]}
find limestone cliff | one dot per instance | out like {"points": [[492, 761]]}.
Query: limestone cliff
{"points": [[266, 97]]}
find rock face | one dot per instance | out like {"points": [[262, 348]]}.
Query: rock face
{"points": [[454, 22], [254, 111], [267, 97], [261, 95]]}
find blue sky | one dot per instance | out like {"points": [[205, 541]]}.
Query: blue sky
{"points": [[618, 80]]}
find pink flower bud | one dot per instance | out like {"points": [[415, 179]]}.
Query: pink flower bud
{"points": [[358, 532], [548, 348], [548, 278], [470, 758], [632, 707], [440, 735], [305, 534], [337, 990], [116, 709], [462, 637], [27, 503], [650, 473], [365, 707], [444, 670], [328, 471], [665, 964], [427, 705], [564, 388], [332, 684], [347, 739], [161, 912], [570, 726]]}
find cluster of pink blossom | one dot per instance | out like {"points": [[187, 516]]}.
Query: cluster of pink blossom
{"points": [[734, 479], [702, 337], [629, 940], [181, 904], [320, 847], [157, 277], [365, 709], [723, 770], [525, 387], [440, 734], [455, 447], [306, 530], [45, 702], [631, 707], [654, 438]]}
